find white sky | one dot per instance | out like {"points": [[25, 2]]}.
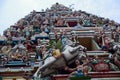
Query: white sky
{"points": [[13, 10]]}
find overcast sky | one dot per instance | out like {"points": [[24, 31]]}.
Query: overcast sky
{"points": [[13, 10]]}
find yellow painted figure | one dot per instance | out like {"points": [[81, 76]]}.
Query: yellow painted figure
{"points": [[56, 53]]}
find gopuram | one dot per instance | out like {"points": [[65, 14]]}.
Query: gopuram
{"points": [[60, 44]]}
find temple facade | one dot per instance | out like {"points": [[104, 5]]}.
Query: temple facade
{"points": [[42, 44]]}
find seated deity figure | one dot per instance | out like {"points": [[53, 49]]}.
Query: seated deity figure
{"points": [[60, 22], [6, 49], [28, 45], [18, 51], [66, 41]]}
